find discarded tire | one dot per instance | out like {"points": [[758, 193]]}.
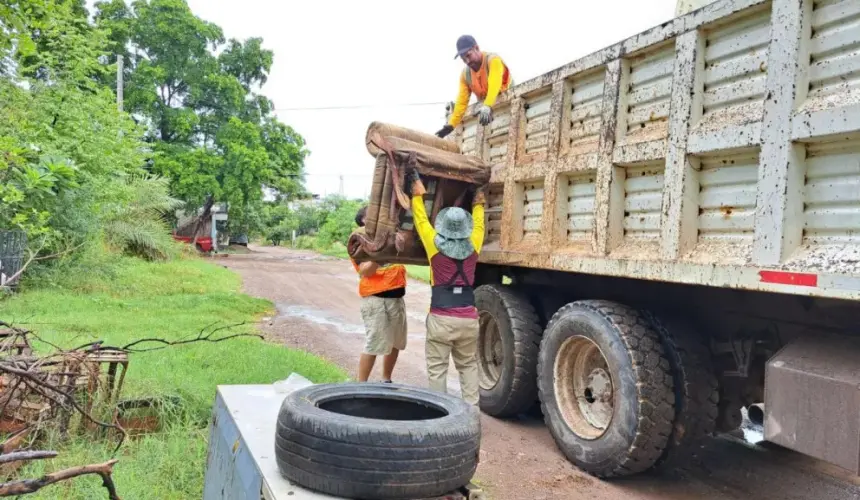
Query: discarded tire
{"points": [[377, 441], [507, 350], [606, 388]]}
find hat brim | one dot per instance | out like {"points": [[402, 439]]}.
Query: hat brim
{"points": [[459, 249], [460, 53]]}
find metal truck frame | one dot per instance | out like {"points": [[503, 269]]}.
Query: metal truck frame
{"points": [[676, 221]]}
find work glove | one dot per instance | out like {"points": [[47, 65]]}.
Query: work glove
{"points": [[444, 131], [417, 185], [413, 175], [485, 115], [480, 198]]}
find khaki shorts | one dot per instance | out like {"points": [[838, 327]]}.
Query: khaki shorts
{"points": [[384, 325]]}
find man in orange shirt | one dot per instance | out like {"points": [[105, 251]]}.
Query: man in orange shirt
{"points": [[485, 75], [383, 311]]}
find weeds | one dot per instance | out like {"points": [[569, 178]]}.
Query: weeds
{"points": [[172, 300]]}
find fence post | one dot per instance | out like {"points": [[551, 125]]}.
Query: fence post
{"points": [[12, 246]]}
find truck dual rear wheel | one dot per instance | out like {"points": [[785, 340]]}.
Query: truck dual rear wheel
{"points": [[507, 350], [606, 388], [696, 388]]}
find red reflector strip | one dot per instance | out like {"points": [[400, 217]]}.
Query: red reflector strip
{"points": [[784, 278]]}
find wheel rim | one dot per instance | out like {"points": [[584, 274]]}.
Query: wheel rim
{"points": [[583, 387], [490, 353]]}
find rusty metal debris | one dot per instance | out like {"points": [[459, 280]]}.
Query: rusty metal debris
{"points": [[65, 387], [36, 390]]}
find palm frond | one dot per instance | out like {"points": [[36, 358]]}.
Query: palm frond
{"points": [[137, 226]]}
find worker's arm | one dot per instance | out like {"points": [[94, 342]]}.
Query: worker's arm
{"points": [[494, 80], [367, 269], [462, 102], [478, 220], [422, 222]]}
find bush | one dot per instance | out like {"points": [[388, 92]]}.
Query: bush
{"points": [[134, 221], [73, 175], [306, 242], [340, 222]]}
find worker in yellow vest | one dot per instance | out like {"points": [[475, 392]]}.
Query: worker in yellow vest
{"points": [[383, 310], [485, 75]]}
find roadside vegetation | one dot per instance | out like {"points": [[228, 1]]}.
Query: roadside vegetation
{"points": [[132, 299], [322, 226], [92, 186]]}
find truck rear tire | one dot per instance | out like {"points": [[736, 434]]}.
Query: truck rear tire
{"points": [[606, 388], [696, 388], [373, 440], [510, 329]]}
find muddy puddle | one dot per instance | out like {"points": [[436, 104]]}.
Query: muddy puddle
{"points": [[325, 318]]}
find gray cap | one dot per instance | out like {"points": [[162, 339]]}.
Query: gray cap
{"points": [[464, 43]]}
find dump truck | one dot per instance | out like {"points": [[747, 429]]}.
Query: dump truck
{"points": [[673, 234]]}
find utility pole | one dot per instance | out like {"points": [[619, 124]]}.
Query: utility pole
{"points": [[341, 185], [119, 62]]}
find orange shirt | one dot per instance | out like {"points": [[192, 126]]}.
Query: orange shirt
{"points": [[486, 83], [384, 279]]}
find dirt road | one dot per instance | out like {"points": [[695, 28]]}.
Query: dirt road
{"points": [[318, 311]]}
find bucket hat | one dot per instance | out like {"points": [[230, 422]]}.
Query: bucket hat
{"points": [[453, 233]]}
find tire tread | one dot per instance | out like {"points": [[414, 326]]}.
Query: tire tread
{"points": [[361, 458], [654, 385], [696, 390], [526, 330]]}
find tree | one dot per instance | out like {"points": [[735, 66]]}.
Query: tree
{"points": [[65, 47], [340, 220], [213, 136], [71, 164], [15, 16]]}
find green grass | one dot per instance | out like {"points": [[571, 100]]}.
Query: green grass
{"points": [[171, 300], [420, 273]]}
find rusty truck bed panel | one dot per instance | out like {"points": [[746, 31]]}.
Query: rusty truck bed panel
{"points": [[693, 152]]}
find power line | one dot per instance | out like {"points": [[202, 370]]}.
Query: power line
{"points": [[363, 106], [328, 174]]}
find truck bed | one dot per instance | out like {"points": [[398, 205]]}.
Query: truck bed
{"points": [[694, 152]]}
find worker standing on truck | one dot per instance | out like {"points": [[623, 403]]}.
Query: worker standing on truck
{"points": [[452, 325], [485, 75], [383, 310]]}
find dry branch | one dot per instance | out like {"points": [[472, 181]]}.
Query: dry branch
{"points": [[202, 336], [26, 455], [34, 257], [45, 387], [25, 486]]}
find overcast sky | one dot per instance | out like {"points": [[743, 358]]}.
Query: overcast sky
{"points": [[385, 53]]}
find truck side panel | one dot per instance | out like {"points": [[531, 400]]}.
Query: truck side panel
{"points": [[721, 148]]}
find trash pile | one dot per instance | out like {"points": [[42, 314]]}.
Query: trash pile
{"points": [[70, 390], [38, 390]]}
